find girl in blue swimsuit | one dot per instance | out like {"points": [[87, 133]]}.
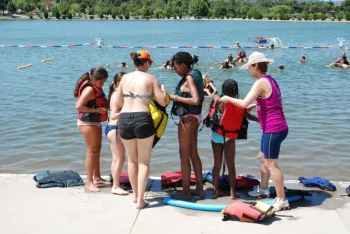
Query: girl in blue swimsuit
{"points": [[112, 134]]}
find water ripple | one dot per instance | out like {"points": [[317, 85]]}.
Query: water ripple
{"points": [[38, 117]]}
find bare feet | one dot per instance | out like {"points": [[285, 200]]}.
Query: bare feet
{"points": [[91, 187], [181, 196], [199, 193], [216, 195], [99, 181], [234, 196], [142, 204], [119, 191], [134, 200]]}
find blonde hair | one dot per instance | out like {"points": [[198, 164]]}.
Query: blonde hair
{"points": [[207, 79]]}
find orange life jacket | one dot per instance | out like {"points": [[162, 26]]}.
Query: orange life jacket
{"points": [[99, 101], [231, 120]]}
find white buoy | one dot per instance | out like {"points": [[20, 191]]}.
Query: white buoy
{"points": [[99, 42], [24, 66], [46, 60]]}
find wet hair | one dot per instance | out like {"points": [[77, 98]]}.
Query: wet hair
{"points": [[137, 60], [117, 78], [225, 65], [281, 67], [263, 67], [95, 74], [230, 88], [123, 64], [185, 58], [230, 57], [303, 57]]}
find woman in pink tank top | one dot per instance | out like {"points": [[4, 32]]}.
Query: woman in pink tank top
{"points": [[273, 123]]}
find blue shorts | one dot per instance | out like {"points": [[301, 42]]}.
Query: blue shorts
{"points": [[110, 128], [271, 144], [218, 139]]}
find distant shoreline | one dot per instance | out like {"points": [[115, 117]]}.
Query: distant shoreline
{"points": [[25, 17]]}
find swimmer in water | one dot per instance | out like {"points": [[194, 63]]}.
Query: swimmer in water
{"points": [[226, 65], [237, 45], [341, 62], [302, 59]]}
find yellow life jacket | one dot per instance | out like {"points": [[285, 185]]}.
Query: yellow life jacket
{"points": [[160, 117]]}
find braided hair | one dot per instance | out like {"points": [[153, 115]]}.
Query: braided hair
{"points": [[186, 58]]}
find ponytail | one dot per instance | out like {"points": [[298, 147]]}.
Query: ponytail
{"points": [[96, 74], [111, 91], [84, 77], [186, 58], [116, 80]]}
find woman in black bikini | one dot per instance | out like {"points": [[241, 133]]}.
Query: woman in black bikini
{"points": [[136, 127]]}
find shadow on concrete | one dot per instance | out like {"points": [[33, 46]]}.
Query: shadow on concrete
{"points": [[266, 222]]}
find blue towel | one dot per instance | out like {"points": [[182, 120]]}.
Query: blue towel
{"points": [[318, 182]]}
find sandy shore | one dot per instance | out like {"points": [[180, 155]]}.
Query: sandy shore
{"points": [[27, 209]]}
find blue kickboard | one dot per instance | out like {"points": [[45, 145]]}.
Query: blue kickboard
{"points": [[213, 207]]}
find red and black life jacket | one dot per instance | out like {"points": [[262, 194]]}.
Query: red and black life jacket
{"points": [[99, 101], [231, 120], [246, 212], [174, 179]]}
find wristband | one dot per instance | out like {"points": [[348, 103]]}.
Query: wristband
{"points": [[175, 98]]}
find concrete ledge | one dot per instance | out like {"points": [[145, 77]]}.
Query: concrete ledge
{"points": [[27, 209]]}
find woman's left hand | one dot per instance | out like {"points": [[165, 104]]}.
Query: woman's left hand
{"points": [[251, 107], [172, 97], [224, 99], [115, 116]]}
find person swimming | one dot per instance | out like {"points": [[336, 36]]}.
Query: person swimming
{"points": [[281, 67], [123, 65], [302, 59], [229, 60], [167, 65], [226, 65], [341, 62], [241, 57], [237, 45]]}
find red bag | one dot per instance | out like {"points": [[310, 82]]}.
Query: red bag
{"points": [[123, 179], [246, 182], [174, 179]]}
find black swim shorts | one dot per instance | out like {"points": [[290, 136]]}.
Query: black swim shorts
{"points": [[135, 125]]}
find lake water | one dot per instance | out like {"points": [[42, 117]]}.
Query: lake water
{"points": [[38, 118]]}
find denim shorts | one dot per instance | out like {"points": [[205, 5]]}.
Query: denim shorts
{"points": [[271, 144]]}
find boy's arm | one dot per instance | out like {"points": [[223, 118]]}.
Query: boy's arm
{"points": [[251, 116]]}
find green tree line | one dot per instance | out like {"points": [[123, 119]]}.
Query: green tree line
{"points": [[146, 9]]}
